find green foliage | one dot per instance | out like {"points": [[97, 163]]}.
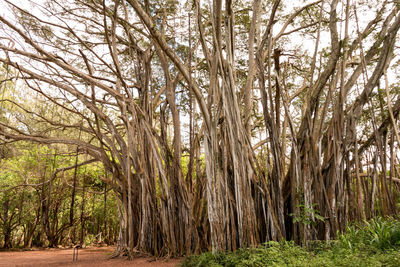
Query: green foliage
{"points": [[378, 233], [307, 215], [373, 243], [25, 192]]}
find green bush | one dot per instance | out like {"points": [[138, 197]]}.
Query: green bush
{"points": [[373, 243], [378, 233]]}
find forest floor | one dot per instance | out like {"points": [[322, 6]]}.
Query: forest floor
{"points": [[94, 256]]}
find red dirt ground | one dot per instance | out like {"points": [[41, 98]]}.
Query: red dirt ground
{"points": [[87, 257]]}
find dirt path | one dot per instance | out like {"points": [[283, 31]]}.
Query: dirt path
{"points": [[87, 257]]}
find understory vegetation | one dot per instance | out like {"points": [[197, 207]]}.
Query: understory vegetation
{"points": [[372, 243]]}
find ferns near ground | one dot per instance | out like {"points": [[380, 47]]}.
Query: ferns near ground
{"points": [[371, 243]]}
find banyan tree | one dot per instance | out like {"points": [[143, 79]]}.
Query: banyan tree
{"points": [[222, 124]]}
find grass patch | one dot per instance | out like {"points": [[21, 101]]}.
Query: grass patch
{"points": [[372, 243]]}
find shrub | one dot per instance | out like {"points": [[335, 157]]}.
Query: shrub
{"points": [[373, 243], [378, 233]]}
